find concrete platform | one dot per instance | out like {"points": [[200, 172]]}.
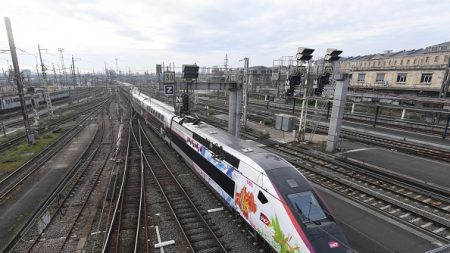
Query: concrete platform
{"points": [[397, 134], [419, 169], [371, 232], [27, 199]]}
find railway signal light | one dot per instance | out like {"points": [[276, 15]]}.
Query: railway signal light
{"points": [[332, 55], [185, 104], [304, 54], [294, 80], [321, 82], [190, 71]]}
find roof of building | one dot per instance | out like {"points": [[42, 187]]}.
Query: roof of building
{"points": [[443, 47]]}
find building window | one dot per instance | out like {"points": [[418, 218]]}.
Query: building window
{"points": [[384, 63], [401, 78], [415, 61], [401, 62], [361, 77], [380, 78], [407, 62], [426, 78], [389, 63], [446, 59], [395, 62], [426, 59], [379, 63], [436, 59]]}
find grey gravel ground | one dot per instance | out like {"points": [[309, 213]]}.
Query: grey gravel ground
{"points": [[159, 216]]}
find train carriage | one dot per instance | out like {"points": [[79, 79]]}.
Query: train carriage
{"points": [[10, 103], [272, 196]]}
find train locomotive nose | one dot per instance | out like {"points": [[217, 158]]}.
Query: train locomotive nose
{"points": [[328, 237]]}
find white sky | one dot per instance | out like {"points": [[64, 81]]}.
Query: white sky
{"points": [[147, 32]]}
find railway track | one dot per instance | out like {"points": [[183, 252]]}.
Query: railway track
{"points": [[410, 148], [425, 209], [124, 234], [19, 121], [14, 179], [47, 204], [77, 196], [43, 129], [368, 119], [389, 122], [420, 208], [198, 234]]}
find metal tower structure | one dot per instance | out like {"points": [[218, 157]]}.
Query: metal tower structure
{"points": [[61, 50]]}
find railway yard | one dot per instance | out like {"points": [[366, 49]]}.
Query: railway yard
{"points": [[105, 180], [233, 126]]}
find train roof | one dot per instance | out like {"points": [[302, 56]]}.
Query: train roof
{"points": [[247, 151], [151, 101]]}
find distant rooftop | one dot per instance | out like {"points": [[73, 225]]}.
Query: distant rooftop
{"points": [[443, 47]]}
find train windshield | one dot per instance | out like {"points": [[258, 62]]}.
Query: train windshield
{"points": [[307, 205]]}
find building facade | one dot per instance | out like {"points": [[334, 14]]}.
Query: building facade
{"points": [[420, 71], [260, 79]]}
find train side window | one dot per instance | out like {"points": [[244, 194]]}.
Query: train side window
{"points": [[262, 198]]}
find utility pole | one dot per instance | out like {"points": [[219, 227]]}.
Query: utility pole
{"points": [[37, 71], [74, 77], [226, 62], [18, 79], [44, 77], [117, 67], [304, 54], [244, 93], [304, 109], [43, 68], [106, 72], [79, 77], [55, 77], [61, 50]]}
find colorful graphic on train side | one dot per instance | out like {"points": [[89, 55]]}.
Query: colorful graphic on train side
{"points": [[246, 201]]}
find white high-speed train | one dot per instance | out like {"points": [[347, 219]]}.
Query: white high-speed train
{"points": [[272, 196]]}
